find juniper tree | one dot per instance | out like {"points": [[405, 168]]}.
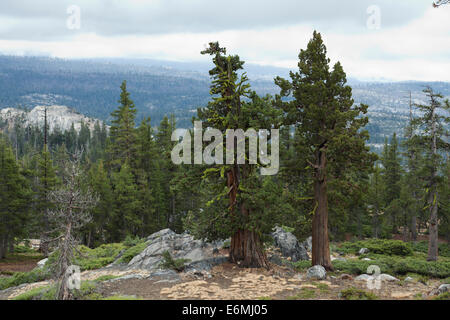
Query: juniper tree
{"points": [[330, 125], [236, 202]]}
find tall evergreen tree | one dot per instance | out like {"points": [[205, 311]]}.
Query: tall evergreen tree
{"points": [[433, 132], [122, 145], [330, 125], [15, 196]]}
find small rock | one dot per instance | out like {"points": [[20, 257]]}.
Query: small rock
{"points": [[366, 259], [443, 288], [363, 251], [316, 272], [127, 277], [409, 279], [387, 277], [346, 277], [42, 263], [363, 277], [307, 244], [276, 259]]}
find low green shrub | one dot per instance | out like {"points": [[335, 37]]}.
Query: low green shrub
{"points": [[133, 251], [19, 278], [422, 246], [378, 246], [354, 293], [90, 259], [397, 266], [171, 263], [301, 265]]}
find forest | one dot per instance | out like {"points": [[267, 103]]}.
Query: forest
{"points": [[118, 182]]}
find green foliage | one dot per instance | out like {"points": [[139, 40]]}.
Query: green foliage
{"points": [[357, 294], [171, 263], [396, 265], [378, 246], [302, 265], [305, 293], [90, 259], [422, 246], [39, 293], [133, 251], [19, 278]]}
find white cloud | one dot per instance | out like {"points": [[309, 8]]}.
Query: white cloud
{"points": [[418, 50]]}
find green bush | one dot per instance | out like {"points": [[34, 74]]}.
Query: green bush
{"points": [[301, 265], [130, 253], [131, 242], [23, 249], [19, 278], [33, 294], [90, 259], [174, 264], [378, 246], [422, 246], [357, 294], [397, 266]]}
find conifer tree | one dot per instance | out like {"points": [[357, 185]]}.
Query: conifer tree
{"points": [[47, 181], [126, 204], [15, 196], [432, 139], [122, 144], [330, 124]]}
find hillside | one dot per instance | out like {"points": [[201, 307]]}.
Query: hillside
{"points": [[158, 88]]}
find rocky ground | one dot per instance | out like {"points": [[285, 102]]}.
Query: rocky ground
{"points": [[208, 275]]}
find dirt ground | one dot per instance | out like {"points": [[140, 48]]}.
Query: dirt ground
{"points": [[19, 263], [228, 282]]}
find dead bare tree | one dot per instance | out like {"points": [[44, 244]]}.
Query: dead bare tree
{"points": [[440, 3], [72, 204]]}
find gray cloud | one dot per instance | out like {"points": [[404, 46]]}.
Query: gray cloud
{"points": [[46, 19]]}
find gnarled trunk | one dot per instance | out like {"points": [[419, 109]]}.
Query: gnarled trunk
{"points": [[246, 247], [246, 250]]}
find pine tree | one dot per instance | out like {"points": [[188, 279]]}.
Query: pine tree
{"points": [[392, 175], [122, 144], [413, 182], [47, 181], [15, 196], [99, 230], [432, 125], [329, 123], [126, 204]]}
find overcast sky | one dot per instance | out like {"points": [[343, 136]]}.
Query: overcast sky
{"points": [[391, 39]]}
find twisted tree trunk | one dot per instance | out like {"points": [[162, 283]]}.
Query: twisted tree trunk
{"points": [[246, 247]]}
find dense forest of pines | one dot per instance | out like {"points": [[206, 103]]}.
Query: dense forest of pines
{"points": [[329, 185]]}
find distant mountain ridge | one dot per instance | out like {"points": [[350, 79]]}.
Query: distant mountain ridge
{"points": [[158, 88], [58, 117]]}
